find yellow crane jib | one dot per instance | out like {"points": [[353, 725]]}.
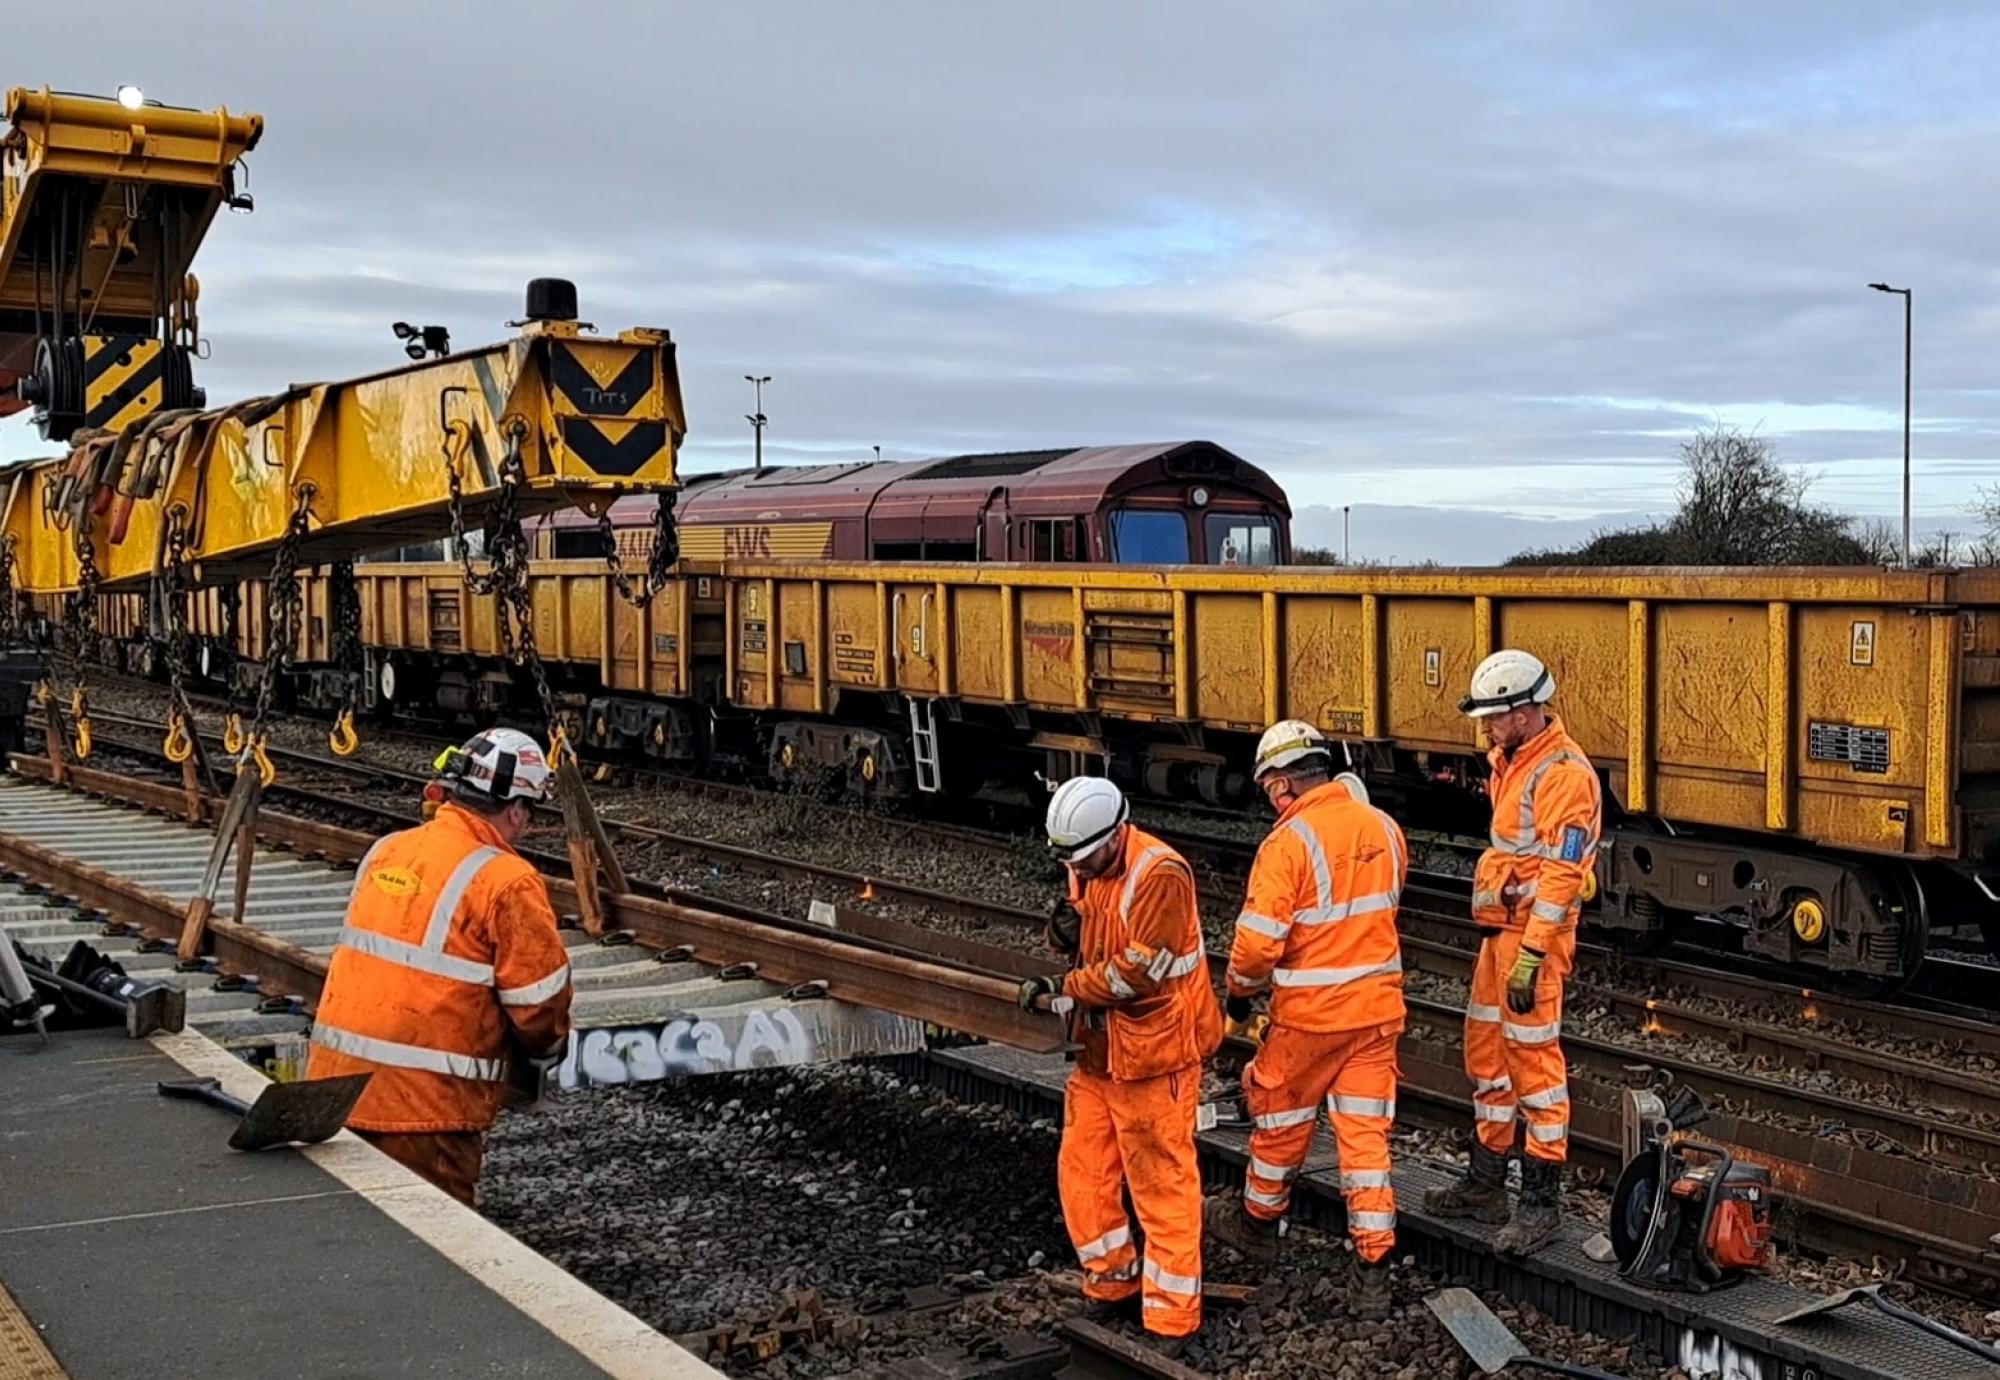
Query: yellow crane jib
{"points": [[103, 203], [555, 417]]}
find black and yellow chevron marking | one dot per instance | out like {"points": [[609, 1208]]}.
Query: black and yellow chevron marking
{"points": [[604, 380], [124, 379], [614, 449]]}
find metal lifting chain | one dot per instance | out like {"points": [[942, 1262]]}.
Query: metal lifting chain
{"points": [[9, 621], [344, 592], [286, 604], [507, 575], [660, 559], [180, 741], [71, 652]]}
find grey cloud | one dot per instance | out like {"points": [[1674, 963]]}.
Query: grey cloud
{"points": [[1442, 239]]}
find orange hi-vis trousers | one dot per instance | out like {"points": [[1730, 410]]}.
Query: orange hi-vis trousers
{"points": [[1353, 1072], [1137, 1134], [1516, 1062]]}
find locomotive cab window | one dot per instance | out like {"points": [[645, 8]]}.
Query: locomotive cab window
{"points": [[1055, 539], [1139, 537], [1241, 539]]}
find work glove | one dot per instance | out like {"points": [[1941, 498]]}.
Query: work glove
{"points": [[1237, 1008], [1065, 927], [1050, 986], [1521, 982]]}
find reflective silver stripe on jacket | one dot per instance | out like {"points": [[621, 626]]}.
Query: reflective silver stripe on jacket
{"points": [[1184, 964], [1333, 977], [393, 1055], [1486, 1111], [1278, 1121], [429, 957], [455, 887], [535, 993], [1371, 1221], [1523, 842], [410, 956], [1270, 1200], [1351, 1179], [1492, 1085], [1169, 965], [1479, 1011], [1169, 1281], [1552, 1131], [1263, 924]]}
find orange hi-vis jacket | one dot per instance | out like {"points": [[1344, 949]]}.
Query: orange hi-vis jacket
{"points": [[450, 949], [1141, 963], [1548, 811], [1319, 923]]}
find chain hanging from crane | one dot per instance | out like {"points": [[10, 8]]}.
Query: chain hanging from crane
{"points": [[237, 827], [507, 580], [344, 596], [661, 556]]}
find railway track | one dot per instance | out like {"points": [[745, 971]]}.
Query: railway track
{"points": [[1908, 1183]]}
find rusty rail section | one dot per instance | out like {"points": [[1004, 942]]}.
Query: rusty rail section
{"points": [[854, 969]]}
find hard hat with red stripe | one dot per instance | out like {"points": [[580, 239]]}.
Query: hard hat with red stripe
{"points": [[502, 764]]}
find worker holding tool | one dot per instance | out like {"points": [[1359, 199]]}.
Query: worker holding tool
{"points": [[1138, 998], [450, 959], [1318, 929], [1548, 812]]}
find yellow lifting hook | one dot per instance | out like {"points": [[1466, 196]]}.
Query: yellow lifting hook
{"points": [[266, 773], [344, 741], [79, 708], [179, 745], [560, 752], [232, 734]]}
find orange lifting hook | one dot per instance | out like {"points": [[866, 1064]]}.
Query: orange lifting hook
{"points": [[344, 741]]}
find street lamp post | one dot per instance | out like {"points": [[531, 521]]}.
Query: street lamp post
{"points": [[1909, 310], [1346, 530], [756, 419]]}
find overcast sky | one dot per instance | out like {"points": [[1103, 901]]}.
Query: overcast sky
{"points": [[1424, 255]]}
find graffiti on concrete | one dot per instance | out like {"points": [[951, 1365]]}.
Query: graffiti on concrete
{"points": [[752, 1038]]}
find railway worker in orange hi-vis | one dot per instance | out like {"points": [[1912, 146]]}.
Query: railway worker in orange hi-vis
{"points": [[1547, 814], [1140, 1004], [1318, 930], [449, 963]]}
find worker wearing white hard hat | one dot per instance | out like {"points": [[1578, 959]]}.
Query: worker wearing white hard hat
{"points": [[1527, 889], [1318, 932], [449, 960], [1138, 996]]}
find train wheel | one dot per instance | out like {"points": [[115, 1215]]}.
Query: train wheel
{"points": [[1904, 895]]}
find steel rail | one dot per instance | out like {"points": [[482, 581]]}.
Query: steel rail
{"points": [[860, 970]]}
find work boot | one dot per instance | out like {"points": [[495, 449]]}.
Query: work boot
{"points": [[1368, 1289], [1227, 1224], [1106, 1312], [1538, 1215], [1480, 1195], [1173, 1348]]}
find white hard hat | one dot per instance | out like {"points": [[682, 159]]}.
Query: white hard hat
{"points": [[1287, 742], [503, 763], [1507, 680], [1083, 815]]}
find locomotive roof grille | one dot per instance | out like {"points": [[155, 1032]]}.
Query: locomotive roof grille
{"points": [[993, 465]]}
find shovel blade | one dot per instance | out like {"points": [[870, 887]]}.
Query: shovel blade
{"points": [[1828, 1304], [1484, 1339], [306, 1112]]}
